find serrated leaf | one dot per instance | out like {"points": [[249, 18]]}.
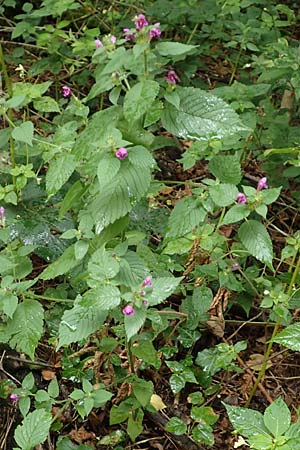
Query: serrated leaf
{"points": [[102, 265], [223, 194], [134, 323], [201, 116], [169, 48], [26, 327], [34, 429], [256, 240], [140, 157], [289, 337], [186, 215], [162, 289], [72, 196], [107, 169], [24, 132], [46, 104], [105, 297], [61, 266], [78, 323], [246, 421], [277, 417], [226, 168], [139, 99], [235, 214], [59, 172]]}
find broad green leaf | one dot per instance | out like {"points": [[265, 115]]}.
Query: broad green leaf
{"points": [[162, 289], [53, 388], [140, 157], [236, 213], [226, 168], [78, 323], [72, 196], [8, 302], [31, 90], [203, 432], [59, 172], [134, 323], [169, 48], [186, 215], [177, 382], [255, 238], [223, 194], [61, 266], [120, 413], [101, 396], [277, 417], [135, 424], [80, 249], [143, 391], [246, 421], [139, 99], [173, 98], [270, 195], [46, 104], [26, 327], [201, 116], [102, 265], [24, 132], [289, 337], [33, 430], [204, 414], [105, 297], [108, 168], [176, 426]]}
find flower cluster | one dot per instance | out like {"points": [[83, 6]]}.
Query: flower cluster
{"points": [[129, 310], [122, 153], [141, 23], [172, 77], [262, 184], [66, 91]]}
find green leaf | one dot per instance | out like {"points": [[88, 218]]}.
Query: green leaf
{"points": [[105, 297], [223, 194], [139, 99], [59, 172], [53, 388], [177, 382], [46, 104], [108, 168], [135, 424], [277, 417], [80, 249], [120, 413], [8, 302], [61, 266], [72, 196], [34, 429], [246, 421], [102, 265], [204, 414], [289, 337], [26, 327], [143, 391], [78, 323], [201, 116], [101, 396], [140, 157], [202, 432], [134, 323], [24, 132], [236, 213], [186, 215], [176, 426], [256, 240], [226, 168], [169, 48], [162, 289]]}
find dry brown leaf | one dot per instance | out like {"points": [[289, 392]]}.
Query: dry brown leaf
{"points": [[157, 403], [48, 374], [81, 435], [256, 360]]}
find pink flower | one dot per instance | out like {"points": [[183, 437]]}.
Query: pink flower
{"points": [[128, 35], [140, 22], [128, 311], [172, 77], [2, 215], [262, 184], [14, 398], [155, 31], [235, 266], [122, 153], [147, 282], [98, 43], [241, 198], [113, 39], [66, 91], [145, 302]]}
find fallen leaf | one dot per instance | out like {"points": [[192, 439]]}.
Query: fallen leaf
{"points": [[157, 403], [256, 360], [48, 375]]}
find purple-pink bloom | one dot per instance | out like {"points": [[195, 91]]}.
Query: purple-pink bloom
{"points": [[14, 398], [66, 91], [262, 184], [128, 35], [235, 266], [155, 32], [145, 302], [147, 282], [113, 39], [128, 311], [122, 153], [172, 77], [2, 216], [140, 22], [98, 43], [241, 198]]}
